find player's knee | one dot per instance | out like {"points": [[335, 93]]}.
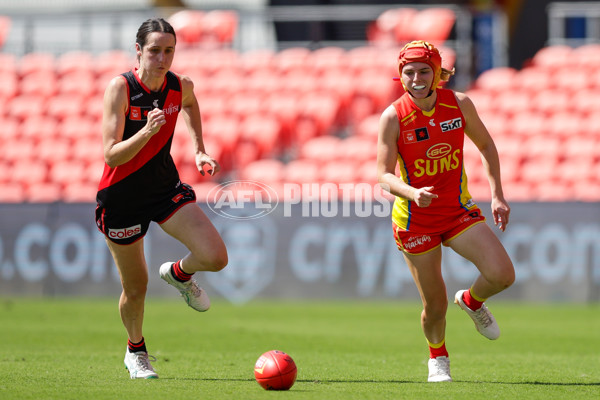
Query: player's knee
{"points": [[435, 311], [218, 261], [505, 276], [136, 291]]}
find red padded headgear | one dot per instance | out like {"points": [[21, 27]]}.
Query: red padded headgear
{"points": [[421, 51]]}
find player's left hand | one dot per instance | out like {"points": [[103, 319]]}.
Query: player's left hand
{"points": [[203, 159], [501, 212]]}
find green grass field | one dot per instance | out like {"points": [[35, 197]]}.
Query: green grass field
{"points": [[73, 349]]}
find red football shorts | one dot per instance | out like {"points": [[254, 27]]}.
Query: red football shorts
{"points": [[419, 243]]}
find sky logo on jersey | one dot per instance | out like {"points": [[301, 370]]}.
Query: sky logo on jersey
{"points": [[415, 136], [451, 124]]}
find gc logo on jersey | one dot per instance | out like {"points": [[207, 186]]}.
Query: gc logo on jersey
{"points": [[451, 124]]}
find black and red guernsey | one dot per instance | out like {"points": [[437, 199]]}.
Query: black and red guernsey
{"points": [[152, 172]]}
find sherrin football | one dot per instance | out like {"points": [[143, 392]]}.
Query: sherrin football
{"points": [[275, 370]]}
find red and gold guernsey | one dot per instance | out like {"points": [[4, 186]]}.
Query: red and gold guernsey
{"points": [[430, 153], [152, 171]]}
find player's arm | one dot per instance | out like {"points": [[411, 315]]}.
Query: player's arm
{"points": [[116, 150], [478, 133], [193, 120], [387, 157]]}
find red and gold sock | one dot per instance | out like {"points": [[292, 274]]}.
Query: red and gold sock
{"points": [[135, 347], [437, 349], [180, 274], [472, 301]]}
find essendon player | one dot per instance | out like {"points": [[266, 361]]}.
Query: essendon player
{"points": [[423, 132], [140, 184]]}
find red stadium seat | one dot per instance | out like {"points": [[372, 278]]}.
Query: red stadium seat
{"points": [[29, 171], [18, 148], [188, 25], [66, 106], [244, 104], [41, 84], [67, 171], [54, 149], [358, 149], [322, 108], [368, 127], [5, 23], [339, 171], [527, 123], [286, 108], [268, 171], [299, 81], [564, 125], [48, 192], [400, 21], [535, 78], [340, 82], [226, 129], [484, 102], [497, 79], [518, 191], [10, 129], [113, 62], [553, 56], [5, 171], [76, 127], [38, 127], [433, 24], [322, 149], [219, 26], [264, 131], [74, 62], [22, 107], [79, 83], [12, 192], [587, 57], [10, 86], [227, 82], [78, 192], [258, 60], [36, 62], [302, 171], [327, 58], [9, 63], [264, 82], [89, 150], [292, 58], [508, 104]]}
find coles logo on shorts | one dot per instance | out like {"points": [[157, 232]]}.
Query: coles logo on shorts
{"points": [[125, 233]]}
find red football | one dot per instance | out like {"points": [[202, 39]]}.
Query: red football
{"points": [[275, 370]]}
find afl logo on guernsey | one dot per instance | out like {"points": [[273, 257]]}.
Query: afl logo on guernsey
{"points": [[439, 150]]}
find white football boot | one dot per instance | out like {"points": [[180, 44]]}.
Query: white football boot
{"points": [[193, 294], [484, 320], [439, 369], [139, 365]]}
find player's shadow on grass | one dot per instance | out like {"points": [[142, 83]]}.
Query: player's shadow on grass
{"points": [[397, 381]]}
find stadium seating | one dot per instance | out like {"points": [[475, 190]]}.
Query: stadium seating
{"points": [[298, 115], [402, 25]]}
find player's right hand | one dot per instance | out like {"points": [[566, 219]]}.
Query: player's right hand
{"points": [[155, 120], [424, 196]]}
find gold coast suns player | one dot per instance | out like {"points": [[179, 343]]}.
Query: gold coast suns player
{"points": [[423, 133], [140, 184]]}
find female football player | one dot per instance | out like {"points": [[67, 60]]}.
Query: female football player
{"points": [[141, 184], [423, 132]]}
